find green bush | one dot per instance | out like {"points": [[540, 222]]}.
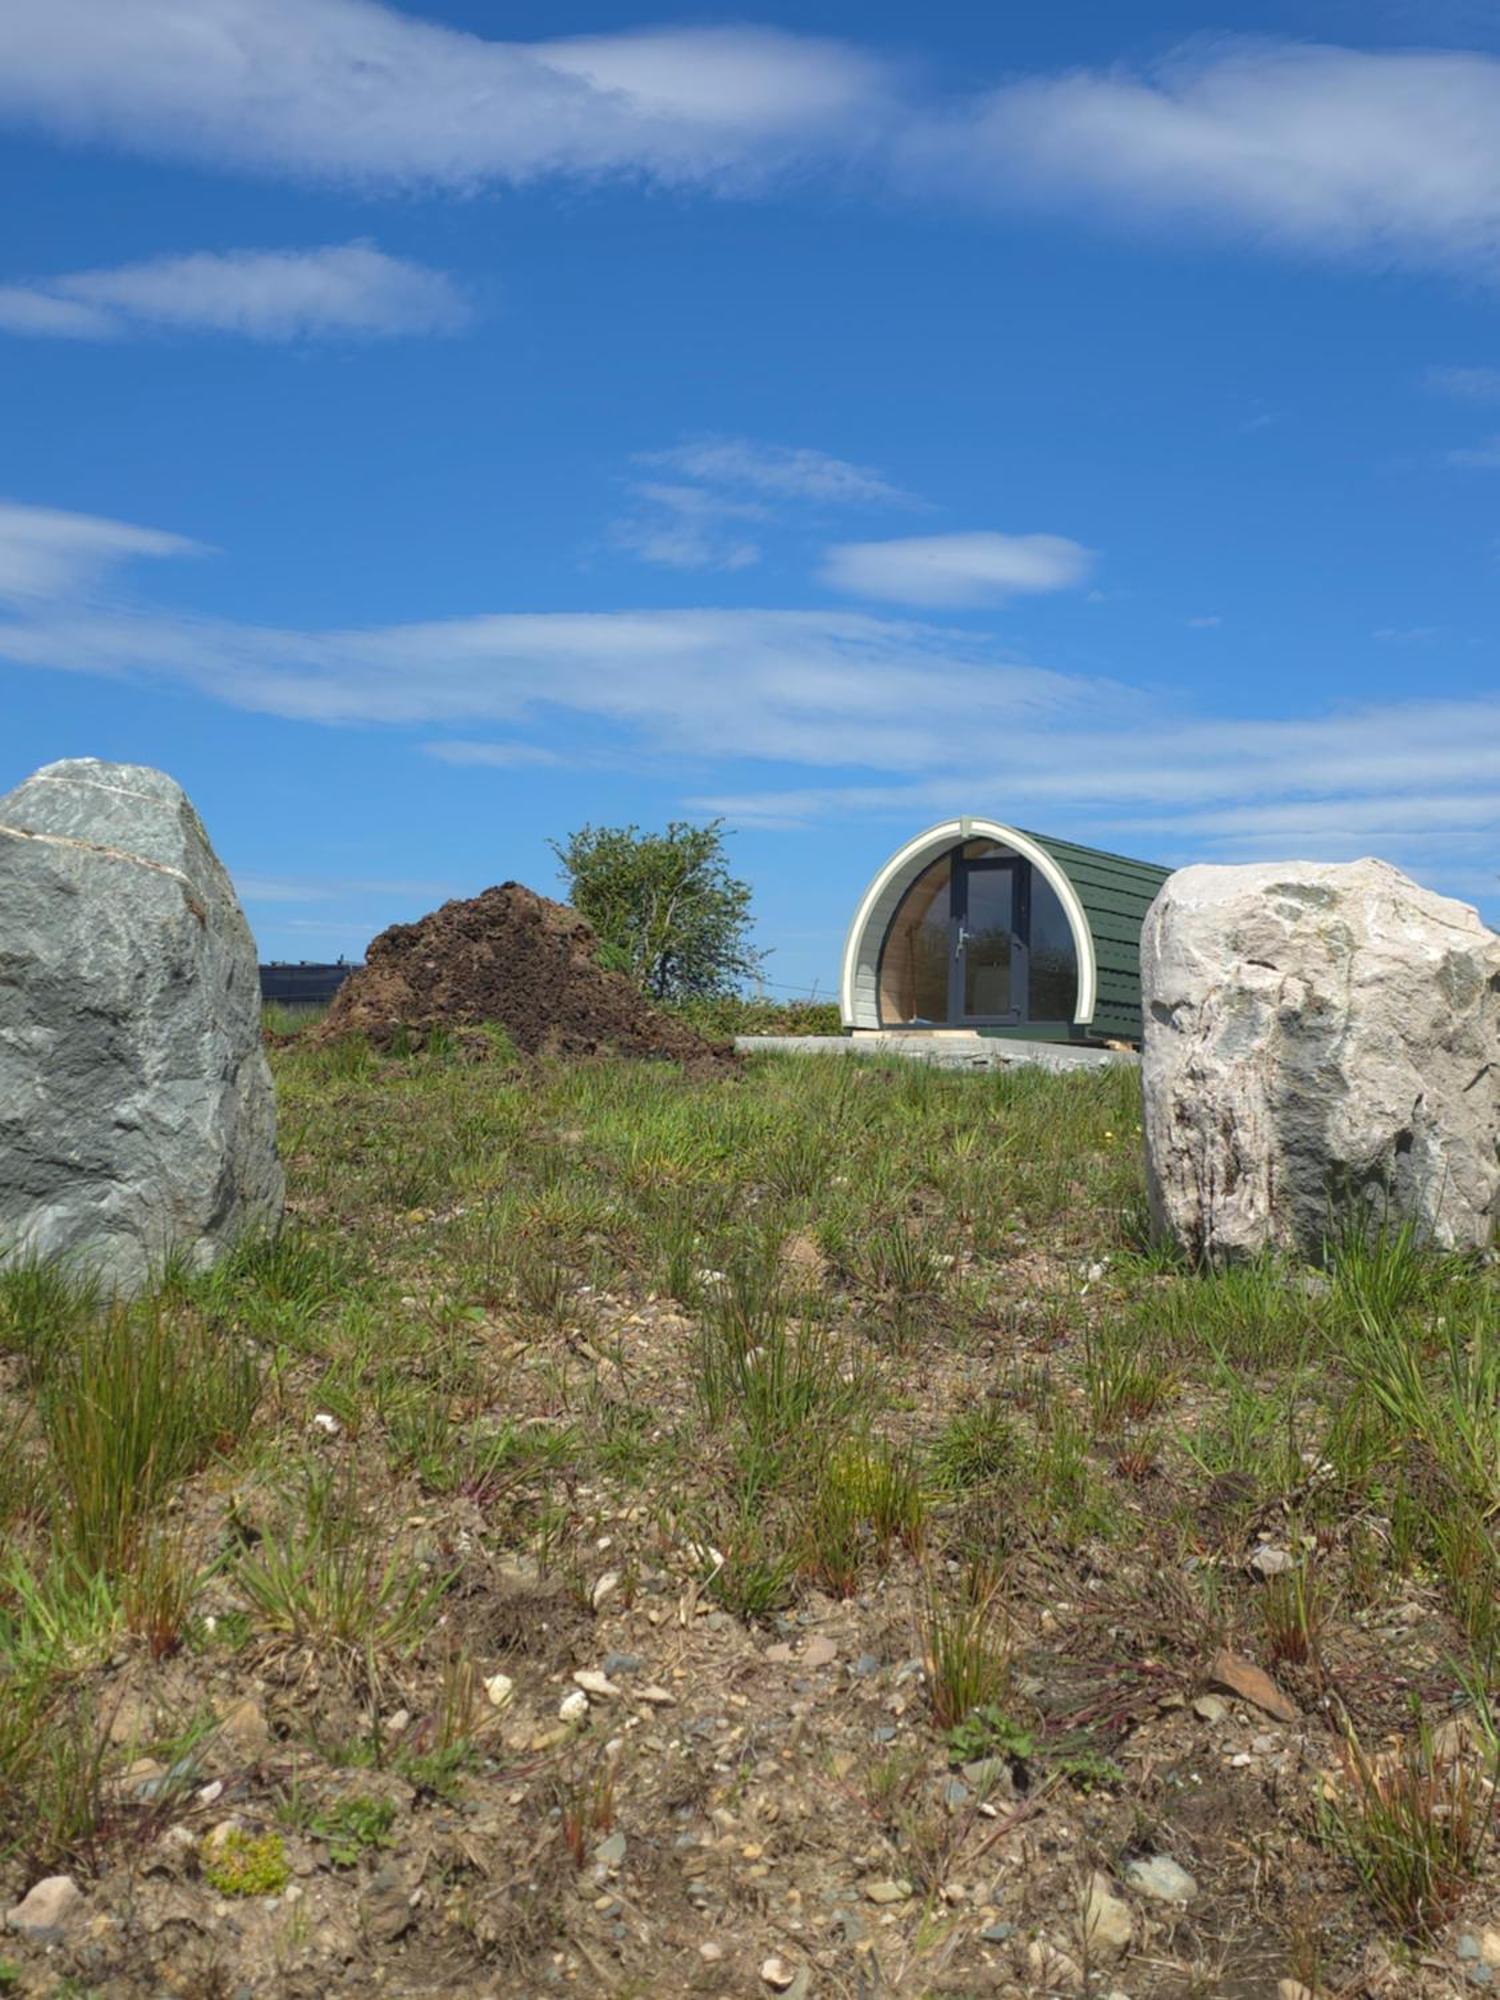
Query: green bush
{"points": [[722, 1016]]}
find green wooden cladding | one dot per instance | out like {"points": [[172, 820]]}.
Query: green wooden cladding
{"points": [[1116, 893]]}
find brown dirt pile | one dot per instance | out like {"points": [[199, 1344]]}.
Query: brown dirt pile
{"points": [[517, 959]]}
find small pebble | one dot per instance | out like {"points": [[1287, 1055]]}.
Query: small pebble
{"points": [[597, 1684], [1160, 1876], [887, 1891], [1272, 1562]]}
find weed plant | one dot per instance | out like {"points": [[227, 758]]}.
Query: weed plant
{"points": [[1412, 1824], [856, 1328]]}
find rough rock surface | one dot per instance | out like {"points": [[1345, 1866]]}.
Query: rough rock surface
{"points": [[137, 1118], [516, 959], [47, 1907], [1322, 1042]]}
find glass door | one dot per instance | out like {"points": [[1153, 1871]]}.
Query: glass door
{"points": [[987, 977]]}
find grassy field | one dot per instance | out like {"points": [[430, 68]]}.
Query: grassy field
{"points": [[896, 1502]]}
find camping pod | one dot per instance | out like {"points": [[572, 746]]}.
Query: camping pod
{"points": [[978, 926]]}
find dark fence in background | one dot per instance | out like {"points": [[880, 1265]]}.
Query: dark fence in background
{"points": [[302, 985]]}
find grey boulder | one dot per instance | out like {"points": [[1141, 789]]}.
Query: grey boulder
{"points": [[137, 1117], [1321, 1051]]}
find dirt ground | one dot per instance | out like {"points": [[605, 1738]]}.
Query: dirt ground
{"points": [[737, 1808], [479, 1665], [515, 959]]}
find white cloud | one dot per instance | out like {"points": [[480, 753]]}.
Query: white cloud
{"points": [[1349, 823], [684, 527], [766, 684], [1421, 767], [349, 90], [955, 570], [1391, 157], [46, 553], [889, 718], [1478, 457], [1469, 385], [753, 683], [694, 520], [31, 309], [348, 289], [274, 889], [786, 472], [494, 756], [1210, 623]]}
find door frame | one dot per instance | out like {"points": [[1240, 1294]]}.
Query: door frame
{"points": [[961, 868]]}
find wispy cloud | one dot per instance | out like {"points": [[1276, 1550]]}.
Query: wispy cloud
{"points": [[349, 289], [1469, 385], [786, 472], [765, 683], [1391, 157], [1393, 769], [696, 519], [493, 756], [46, 553], [275, 889], [890, 718], [1483, 457], [955, 570], [688, 527], [348, 90], [843, 687]]}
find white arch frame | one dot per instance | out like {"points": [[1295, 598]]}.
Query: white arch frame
{"points": [[859, 981]]}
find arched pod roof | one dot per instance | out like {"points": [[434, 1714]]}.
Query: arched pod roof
{"points": [[1103, 896]]}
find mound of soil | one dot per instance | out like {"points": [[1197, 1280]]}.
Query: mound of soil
{"points": [[511, 957]]}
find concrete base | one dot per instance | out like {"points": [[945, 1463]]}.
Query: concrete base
{"points": [[946, 1050]]}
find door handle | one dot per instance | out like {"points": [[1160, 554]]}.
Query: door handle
{"points": [[963, 937]]}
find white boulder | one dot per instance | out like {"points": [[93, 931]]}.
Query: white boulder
{"points": [[137, 1119], [1322, 1043]]}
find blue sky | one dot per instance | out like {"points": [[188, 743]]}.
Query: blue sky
{"points": [[426, 432]]}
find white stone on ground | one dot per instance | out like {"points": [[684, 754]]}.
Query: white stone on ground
{"points": [[1160, 1876], [1321, 1040], [1107, 1923], [46, 1907]]}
